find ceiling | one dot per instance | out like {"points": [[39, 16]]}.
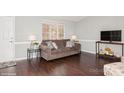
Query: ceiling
{"points": [[67, 18]]}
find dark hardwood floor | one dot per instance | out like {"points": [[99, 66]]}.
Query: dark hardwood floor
{"points": [[83, 64]]}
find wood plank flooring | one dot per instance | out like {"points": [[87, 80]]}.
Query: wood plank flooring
{"points": [[83, 64]]}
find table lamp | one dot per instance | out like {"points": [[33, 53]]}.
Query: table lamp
{"points": [[74, 38], [32, 38]]}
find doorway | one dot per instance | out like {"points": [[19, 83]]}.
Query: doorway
{"points": [[7, 39]]}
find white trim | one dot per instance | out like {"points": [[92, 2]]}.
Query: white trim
{"points": [[12, 18], [88, 51], [13, 37], [87, 40], [50, 21], [22, 58], [26, 42], [22, 43]]}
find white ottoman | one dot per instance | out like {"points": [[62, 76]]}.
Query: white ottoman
{"points": [[114, 69]]}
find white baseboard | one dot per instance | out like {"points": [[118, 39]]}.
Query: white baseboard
{"points": [[18, 59], [22, 58], [92, 52], [15, 59]]}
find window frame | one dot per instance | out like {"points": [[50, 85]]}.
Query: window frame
{"points": [[56, 24]]}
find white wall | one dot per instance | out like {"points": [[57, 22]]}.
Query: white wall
{"points": [[28, 25], [88, 31]]}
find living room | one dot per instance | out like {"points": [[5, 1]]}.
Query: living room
{"points": [[59, 46], [74, 39], [28, 26]]}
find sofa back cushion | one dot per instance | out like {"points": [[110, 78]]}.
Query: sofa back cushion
{"points": [[60, 43]]}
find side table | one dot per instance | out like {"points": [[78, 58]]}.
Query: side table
{"points": [[31, 52]]}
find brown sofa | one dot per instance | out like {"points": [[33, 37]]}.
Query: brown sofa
{"points": [[62, 51]]}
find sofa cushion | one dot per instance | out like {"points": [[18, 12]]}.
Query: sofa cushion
{"points": [[55, 51], [59, 43], [64, 50], [67, 49]]}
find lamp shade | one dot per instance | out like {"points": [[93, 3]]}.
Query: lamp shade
{"points": [[73, 37], [32, 37]]}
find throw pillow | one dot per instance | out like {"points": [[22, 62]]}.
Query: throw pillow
{"points": [[70, 44], [50, 45], [54, 45], [73, 44]]}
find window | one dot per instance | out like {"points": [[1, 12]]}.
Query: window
{"points": [[52, 31]]}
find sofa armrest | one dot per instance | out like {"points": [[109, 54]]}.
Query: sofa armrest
{"points": [[78, 46], [44, 48]]}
